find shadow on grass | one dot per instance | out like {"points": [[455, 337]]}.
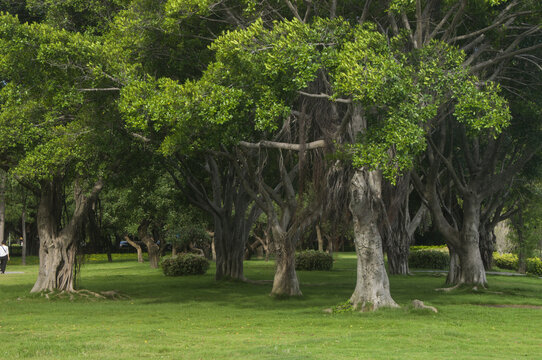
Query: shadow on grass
{"points": [[320, 289]]}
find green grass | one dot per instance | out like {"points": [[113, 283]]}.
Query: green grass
{"points": [[197, 318]]}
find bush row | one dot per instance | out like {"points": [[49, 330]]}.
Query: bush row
{"points": [[505, 261], [313, 260], [534, 266], [184, 264], [429, 259], [510, 262], [442, 248]]}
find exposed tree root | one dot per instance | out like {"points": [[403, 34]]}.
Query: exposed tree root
{"points": [[418, 304], [83, 294], [458, 286], [448, 289]]}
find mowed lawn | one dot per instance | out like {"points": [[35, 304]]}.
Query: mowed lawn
{"points": [[198, 318]]}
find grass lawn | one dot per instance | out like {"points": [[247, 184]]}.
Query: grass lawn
{"points": [[197, 318]]}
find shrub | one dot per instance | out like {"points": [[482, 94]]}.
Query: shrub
{"points": [[506, 261], [313, 260], [534, 266], [442, 248], [429, 259], [184, 264]]}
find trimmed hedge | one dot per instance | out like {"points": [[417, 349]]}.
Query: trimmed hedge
{"points": [[313, 260], [429, 259], [510, 262], [506, 261], [184, 264], [534, 266], [442, 248]]}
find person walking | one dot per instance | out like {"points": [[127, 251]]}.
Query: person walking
{"points": [[4, 257]]}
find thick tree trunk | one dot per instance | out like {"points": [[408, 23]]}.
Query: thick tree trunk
{"points": [[58, 247], [285, 282], [230, 237], [229, 265], [372, 284], [57, 264], [398, 254], [154, 255], [472, 271], [394, 224]]}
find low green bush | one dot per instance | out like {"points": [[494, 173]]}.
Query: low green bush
{"points": [[313, 260], [184, 264], [534, 266], [506, 261], [442, 248], [428, 259]]}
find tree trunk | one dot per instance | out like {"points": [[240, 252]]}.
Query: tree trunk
{"points": [[330, 241], [472, 271], [109, 249], [213, 248], [58, 247], [394, 224], [398, 250], [455, 268], [519, 225], [320, 238], [285, 282], [372, 284], [230, 237], [137, 247], [23, 226], [522, 258], [2, 206], [487, 246], [57, 264], [153, 251]]}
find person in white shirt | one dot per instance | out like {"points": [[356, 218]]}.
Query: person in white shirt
{"points": [[4, 257]]}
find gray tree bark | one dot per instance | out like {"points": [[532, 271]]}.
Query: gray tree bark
{"points": [[472, 269], [285, 282], [372, 285]]}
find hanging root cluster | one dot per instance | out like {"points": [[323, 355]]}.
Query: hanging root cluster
{"points": [[83, 294]]}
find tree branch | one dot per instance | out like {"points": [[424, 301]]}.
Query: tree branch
{"points": [[285, 146]]}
